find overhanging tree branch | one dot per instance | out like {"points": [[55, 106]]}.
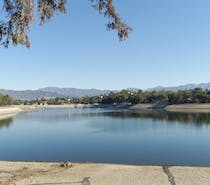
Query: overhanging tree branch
{"points": [[17, 16]]}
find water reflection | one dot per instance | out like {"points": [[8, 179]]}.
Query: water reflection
{"points": [[198, 119], [112, 136], [51, 115], [59, 115], [6, 123]]}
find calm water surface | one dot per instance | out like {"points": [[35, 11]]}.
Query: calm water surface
{"points": [[97, 135]]}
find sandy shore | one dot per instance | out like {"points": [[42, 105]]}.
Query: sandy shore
{"points": [[34, 173]]}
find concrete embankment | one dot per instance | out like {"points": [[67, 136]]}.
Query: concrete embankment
{"points": [[6, 112], [31, 173]]}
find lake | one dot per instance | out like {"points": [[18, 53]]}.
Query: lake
{"points": [[107, 136]]}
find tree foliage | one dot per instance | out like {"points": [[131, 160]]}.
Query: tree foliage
{"points": [[197, 95], [134, 97], [19, 14], [5, 100]]}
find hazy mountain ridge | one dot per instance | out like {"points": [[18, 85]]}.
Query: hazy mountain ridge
{"points": [[53, 92], [181, 87], [75, 92], [29, 94]]}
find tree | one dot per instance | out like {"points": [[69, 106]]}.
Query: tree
{"points": [[5, 100], [19, 14]]}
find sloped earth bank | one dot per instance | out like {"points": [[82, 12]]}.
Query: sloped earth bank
{"points": [[35, 173], [182, 108]]}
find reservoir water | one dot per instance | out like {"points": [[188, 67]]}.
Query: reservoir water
{"points": [[107, 136]]}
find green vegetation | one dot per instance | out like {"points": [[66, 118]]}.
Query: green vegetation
{"points": [[180, 97], [133, 97], [5, 100], [18, 15], [198, 119]]}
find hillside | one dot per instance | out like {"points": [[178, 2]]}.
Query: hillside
{"points": [[181, 87], [52, 92]]}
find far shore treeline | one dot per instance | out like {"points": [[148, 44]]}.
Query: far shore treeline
{"points": [[196, 95], [5, 100]]}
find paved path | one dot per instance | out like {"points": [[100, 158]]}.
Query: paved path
{"points": [[22, 173]]}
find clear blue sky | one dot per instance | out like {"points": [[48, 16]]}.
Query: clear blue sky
{"points": [[169, 45]]}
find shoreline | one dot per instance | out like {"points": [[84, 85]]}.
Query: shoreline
{"points": [[39, 173], [10, 111], [176, 108], [189, 108]]}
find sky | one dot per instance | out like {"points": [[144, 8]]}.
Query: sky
{"points": [[169, 46]]}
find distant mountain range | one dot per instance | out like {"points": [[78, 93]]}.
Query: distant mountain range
{"points": [[53, 92], [181, 87]]}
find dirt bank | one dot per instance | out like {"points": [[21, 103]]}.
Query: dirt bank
{"points": [[184, 108], [189, 108]]}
